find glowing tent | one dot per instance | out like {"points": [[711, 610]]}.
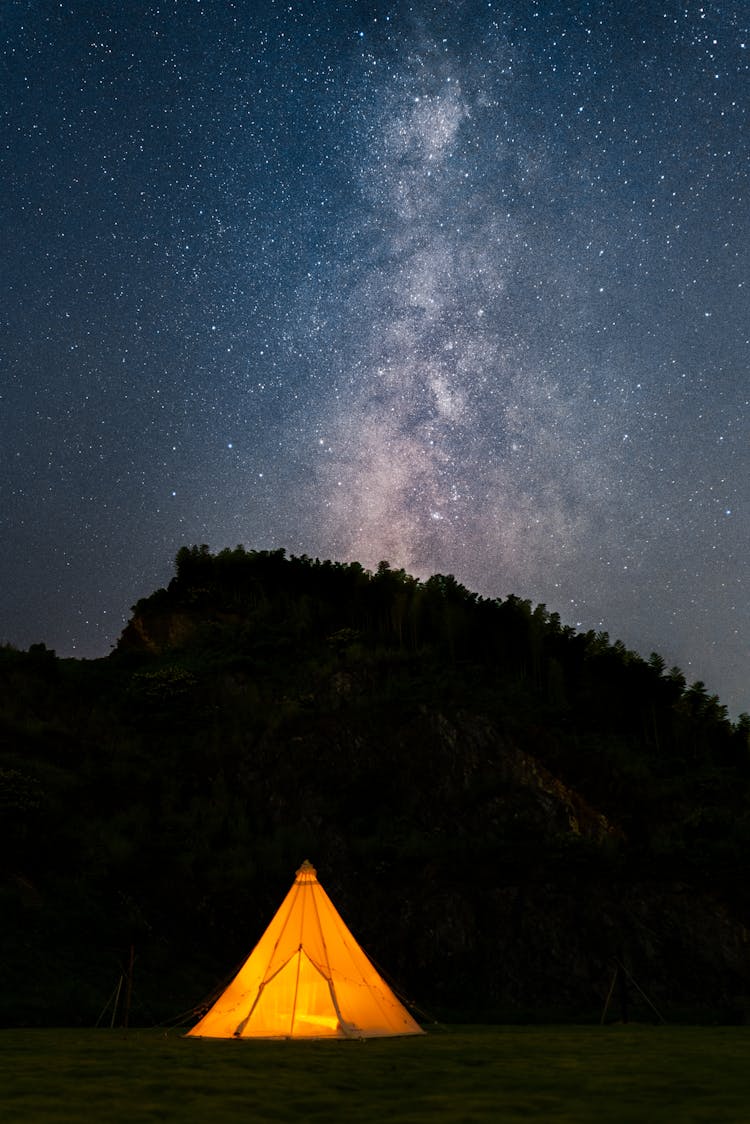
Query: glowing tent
{"points": [[306, 978]]}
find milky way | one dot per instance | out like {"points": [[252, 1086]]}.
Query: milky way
{"points": [[453, 434], [463, 287]]}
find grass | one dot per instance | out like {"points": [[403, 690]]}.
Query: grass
{"points": [[576, 1075]]}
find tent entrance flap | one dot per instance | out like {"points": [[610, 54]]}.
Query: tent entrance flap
{"points": [[296, 1003]]}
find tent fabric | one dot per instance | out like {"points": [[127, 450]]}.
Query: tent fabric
{"points": [[306, 978]]}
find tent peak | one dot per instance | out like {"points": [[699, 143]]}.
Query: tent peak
{"points": [[307, 872]]}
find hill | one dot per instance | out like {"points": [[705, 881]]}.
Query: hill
{"points": [[502, 808]]}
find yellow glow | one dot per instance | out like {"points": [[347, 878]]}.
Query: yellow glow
{"points": [[306, 978]]}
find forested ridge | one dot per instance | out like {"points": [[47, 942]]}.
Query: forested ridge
{"points": [[501, 807]]}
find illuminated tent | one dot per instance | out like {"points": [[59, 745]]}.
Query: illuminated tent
{"points": [[306, 978]]}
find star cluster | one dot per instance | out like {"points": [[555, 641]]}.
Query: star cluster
{"points": [[460, 286]]}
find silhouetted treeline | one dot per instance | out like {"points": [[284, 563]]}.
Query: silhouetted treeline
{"points": [[567, 673]]}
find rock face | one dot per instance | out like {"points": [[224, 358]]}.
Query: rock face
{"points": [[163, 623], [158, 632]]}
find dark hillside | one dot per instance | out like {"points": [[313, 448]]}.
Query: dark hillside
{"points": [[498, 805]]}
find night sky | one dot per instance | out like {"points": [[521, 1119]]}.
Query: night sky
{"points": [[464, 286]]}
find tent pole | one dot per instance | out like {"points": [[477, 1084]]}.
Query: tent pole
{"points": [[114, 1005], [609, 997], [622, 990], [114, 998], [638, 987], [128, 987]]}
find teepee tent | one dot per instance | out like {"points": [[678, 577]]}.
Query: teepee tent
{"points": [[306, 978]]}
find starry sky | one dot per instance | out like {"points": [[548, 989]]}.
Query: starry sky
{"points": [[464, 286]]}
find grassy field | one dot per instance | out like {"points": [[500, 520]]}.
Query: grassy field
{"points": [[553, 1074]]}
